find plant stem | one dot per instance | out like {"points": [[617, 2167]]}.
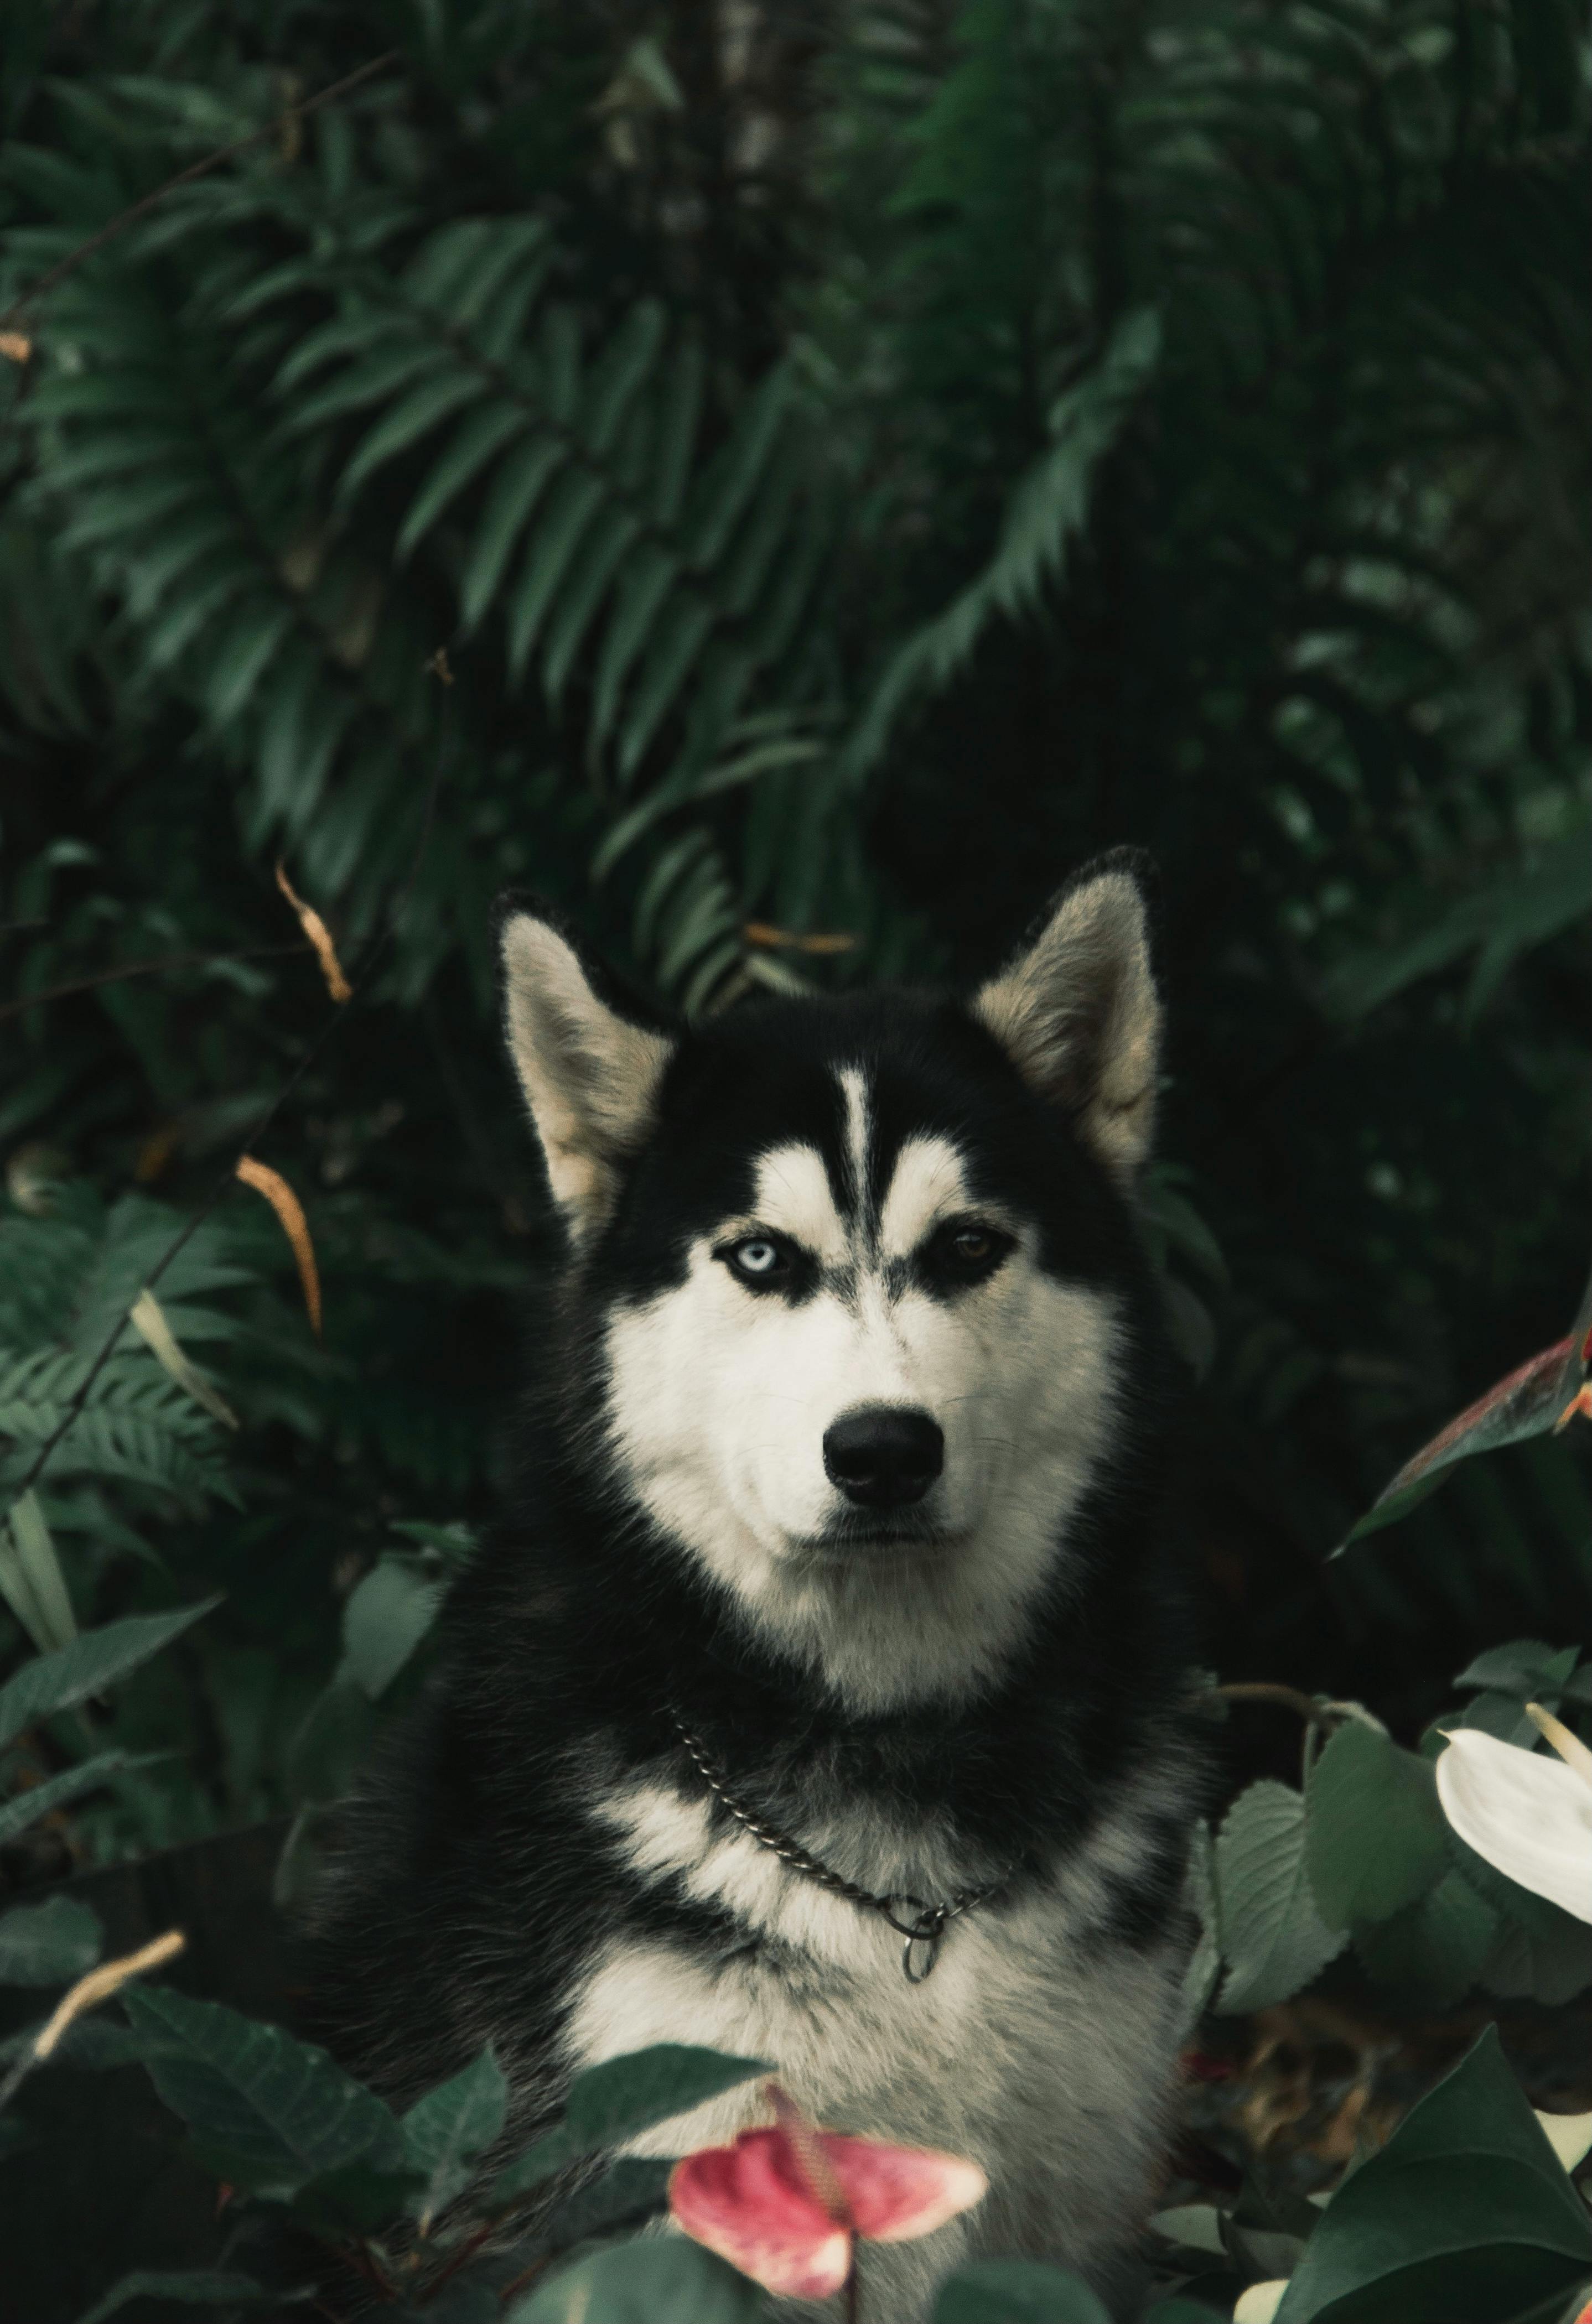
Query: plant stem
{"points": [[1290, 1698]]}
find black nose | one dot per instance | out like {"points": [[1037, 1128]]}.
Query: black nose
{"points": [[884, 1455]]}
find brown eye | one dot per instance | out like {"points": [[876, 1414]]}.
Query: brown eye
{"points": [[967, 1253]]}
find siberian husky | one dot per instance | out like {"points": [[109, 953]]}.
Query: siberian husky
{"points": [[826, 1700]]}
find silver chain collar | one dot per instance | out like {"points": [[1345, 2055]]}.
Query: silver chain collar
{"points": [[921, 1926]]}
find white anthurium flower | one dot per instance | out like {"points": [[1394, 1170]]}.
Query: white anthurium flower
{"points": [[1529, 1817], [1570, 2135], [1261, 2302]]}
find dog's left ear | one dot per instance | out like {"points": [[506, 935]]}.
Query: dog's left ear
{"points": [[1078, 1014], [589, 1075]]}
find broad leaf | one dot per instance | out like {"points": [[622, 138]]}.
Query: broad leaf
{"points": [[1016, 2291], [359, 2199], [669, 2281], [52, 1943], [619, 2099], [445, 2131], [1432, 1954], [624, 2096], [1527, 1402], [282, 2111], [632, 2189], [1526, 1668], [386, 1616], [88, 1666], [333, 1737], [1375, 1838], [1273, 1937], [198, 2287], [1466, 2212]]}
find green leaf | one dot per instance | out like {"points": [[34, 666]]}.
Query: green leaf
{"points": [[17, 1814], [669, 2281], [90, 1666], [404, 424], [380, 375], [516, 491], [1526, 907], [622, 373], [445, 2131], [1375, 1838], [197, 2287], [1205, 1962], [386, 1616], [627, 2095], [1526, 1668], [1017, 2291], [235, 663], [1431, 1955], [482, 434], [1274, 1939], [619, 2099], [1181, 2311], [1048, 512], [358, 2198], [632, 2189], [51, 1943], [325, 1753], [282, 2110], [572, 507], [31, 1579], [1466, 2211]]}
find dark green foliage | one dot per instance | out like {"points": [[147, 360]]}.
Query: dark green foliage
{"points": [[1466, 2211], [820, 495], [1063, 426], [1016, 2291]]}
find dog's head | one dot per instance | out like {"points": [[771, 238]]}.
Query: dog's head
{"points": [[860, 1273]]}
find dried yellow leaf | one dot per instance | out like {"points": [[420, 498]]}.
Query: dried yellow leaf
{"points": [[16, 345], [771, 939], [294, 1225], [100, 1983], [316, 929]]}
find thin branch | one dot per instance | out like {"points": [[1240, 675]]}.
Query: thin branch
{"points": [[139, 968], [17, 312]]}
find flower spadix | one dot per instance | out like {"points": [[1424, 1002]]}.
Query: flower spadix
{"points": [[787, 2205], [1529, 1817]]}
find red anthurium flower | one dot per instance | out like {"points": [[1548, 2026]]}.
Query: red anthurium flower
{"points": [[785, 2206]]}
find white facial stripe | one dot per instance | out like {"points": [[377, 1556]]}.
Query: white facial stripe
{"points": [[794, 1195], [926, 1186], [854, 1090]]}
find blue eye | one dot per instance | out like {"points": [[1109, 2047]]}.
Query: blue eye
{"points": [[757, 1258]]}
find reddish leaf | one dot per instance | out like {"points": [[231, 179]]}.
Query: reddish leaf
{"points": [[1537, 1397]]}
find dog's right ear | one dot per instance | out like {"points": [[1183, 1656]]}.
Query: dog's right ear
{"points": [[589, 1075]]}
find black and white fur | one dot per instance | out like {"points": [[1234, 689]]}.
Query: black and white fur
{"points": [[975, 1671]]}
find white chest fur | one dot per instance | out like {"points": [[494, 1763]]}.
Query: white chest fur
{"points": [[1047, 2059]]}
